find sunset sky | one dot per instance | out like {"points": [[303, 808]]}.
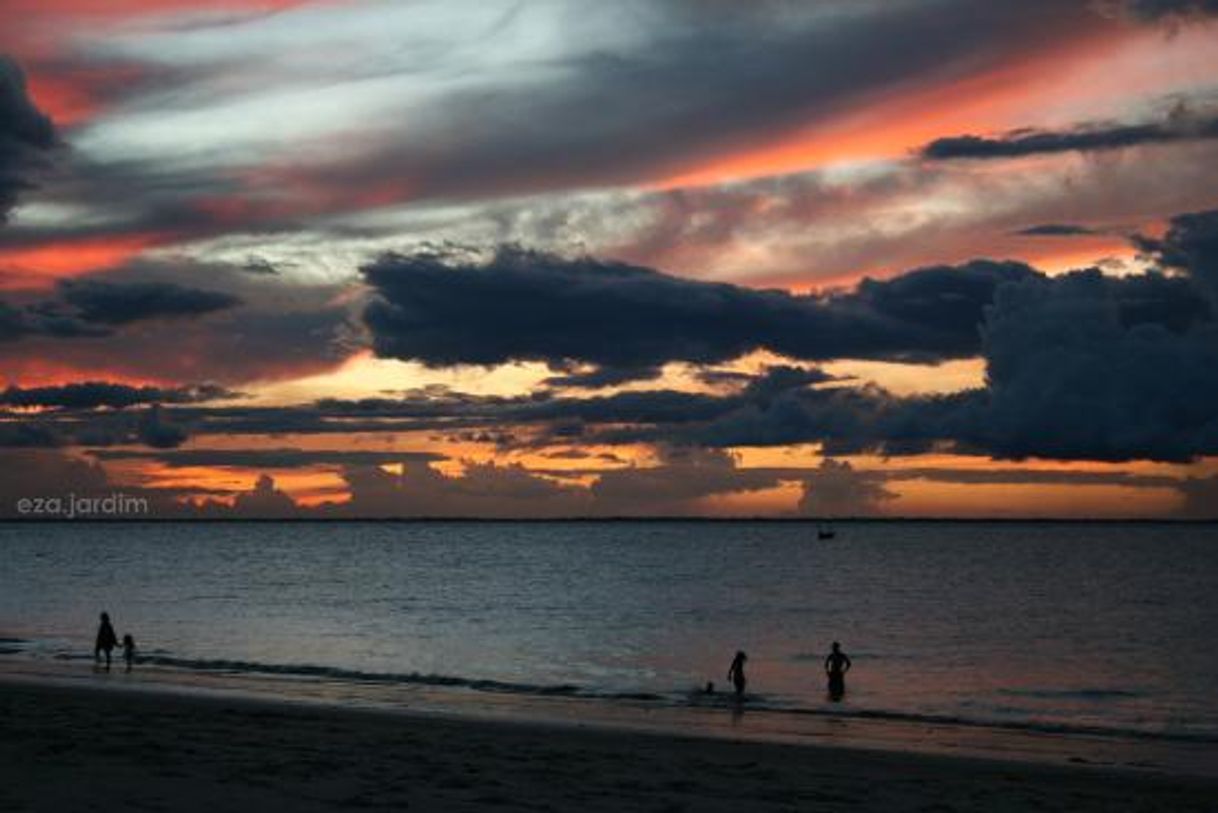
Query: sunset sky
{"points": [[827, 258]]}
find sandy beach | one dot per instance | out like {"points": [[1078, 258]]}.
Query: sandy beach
{"points": [[77, 748]]}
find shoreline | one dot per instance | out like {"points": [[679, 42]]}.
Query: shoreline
{"points": [[716, 717], [51, 519], [186, 751], [720, 719]]}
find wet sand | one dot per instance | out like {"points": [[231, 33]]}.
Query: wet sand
{"points": [[80, 748]]}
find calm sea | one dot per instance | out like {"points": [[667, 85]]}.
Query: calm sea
{"points": [[1079, 626]]}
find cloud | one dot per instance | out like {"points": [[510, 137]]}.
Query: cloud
{"points": [[145, 320], [1181, 125], [154, 426], [265, 500], [53, 475], [1056, 230], [92, 307], [1151, 10], [112, 303], [1200, 498], [470, 102], [529, 306], [156, 430], [686, 474], [1079, 367], [24, 434], [29, 473], [266, 458], [609, 112], [836, 489], [26, 135], [483, 490], [600, 377], [1071, 375], [1017, 476], [1190, 245], [261, 265], [675, 487], [94, 394]]}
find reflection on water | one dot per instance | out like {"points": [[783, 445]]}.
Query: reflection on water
{"points": [[1104, 625]]}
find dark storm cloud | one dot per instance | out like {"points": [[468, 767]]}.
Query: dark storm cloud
{"points": [[847, 420], [1190, 245], [157, 430], [1160, 9], [94, 394], [266, 458], [26, 134], [532, 306], [95, 306], [1081, 366], [147, 320], [113, 303], [1069, 377], [47, 318], [154, 426], [647, 406], [1056, 230], [1180, 126], [439, 410]]}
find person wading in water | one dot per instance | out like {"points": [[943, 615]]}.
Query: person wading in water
{"points": [[735, 674], [837, 664], [106, 640]]}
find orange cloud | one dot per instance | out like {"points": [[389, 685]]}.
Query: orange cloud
{"points": [[71, 96], [39, 266], [919, 498], [30, 370]]}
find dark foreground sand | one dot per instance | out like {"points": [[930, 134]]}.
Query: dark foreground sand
{"points": [[69, 749]]}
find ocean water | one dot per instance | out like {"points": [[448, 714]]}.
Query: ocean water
{"points": [[1104, 627]]}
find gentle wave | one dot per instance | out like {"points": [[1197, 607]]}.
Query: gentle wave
{"points": [[755, 703], [222, 665], [12, 646]]}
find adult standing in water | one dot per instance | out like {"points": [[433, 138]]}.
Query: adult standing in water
{"points": [[837, 664], [106, 640], [735, 673]]}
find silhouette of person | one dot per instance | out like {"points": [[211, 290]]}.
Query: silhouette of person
{"points": [[837, 664], [128, 650], [106, 640], [735, 673]]}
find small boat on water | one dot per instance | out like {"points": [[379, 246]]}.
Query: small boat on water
{"points": [[825, 532]]}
